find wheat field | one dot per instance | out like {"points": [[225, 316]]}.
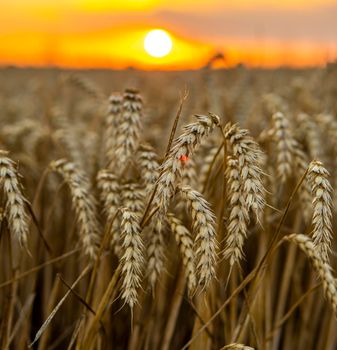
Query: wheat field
{"points": [[168, 210]]}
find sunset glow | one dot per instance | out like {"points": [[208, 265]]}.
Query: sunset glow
{"points": [[158, 43], [111, 34]]}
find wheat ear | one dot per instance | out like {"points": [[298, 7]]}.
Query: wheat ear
{"points": [[183, 147], [132, 259], [185, 244], [238, 214], [112, 120], [15, 210], [284, 146], [110, 196], [83, 203], [128, 130], [147, 160], [205, 240], [322, 267], [322, 203], [250, 159], [155, 252]]}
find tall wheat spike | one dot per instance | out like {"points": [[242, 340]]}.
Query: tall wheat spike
{"points": [[15, 207], [83, 203]]}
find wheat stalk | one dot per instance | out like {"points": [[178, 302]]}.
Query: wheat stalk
{"points": [[147, 160], [110, 196], [112, 120], [127, 131], [15, 210], [250, 159], [238, 214], [185, 244], [155, 252], [205, 240], [83, 204], [182, 148], [322, 267], [284, 146], [132, 259], [322, 203]]}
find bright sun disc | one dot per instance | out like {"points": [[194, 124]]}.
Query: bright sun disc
{"points": [[158, 43]]}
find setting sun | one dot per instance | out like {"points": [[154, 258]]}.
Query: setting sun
{"points": [[158, 43]]}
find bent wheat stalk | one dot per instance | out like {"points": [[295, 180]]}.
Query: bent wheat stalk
{"points": [[15, 210]]}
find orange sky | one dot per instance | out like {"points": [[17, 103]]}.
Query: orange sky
{"points": [[110, 33]]}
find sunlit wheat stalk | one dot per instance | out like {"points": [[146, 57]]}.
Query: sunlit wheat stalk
{"points": [[183, 147], [132, 259], [322, 267], [205, 240], [15, 207], [250, 159], [322, 203], [83, 204]]}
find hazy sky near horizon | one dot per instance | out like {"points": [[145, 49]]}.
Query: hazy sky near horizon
{"points": [[309, 25]]}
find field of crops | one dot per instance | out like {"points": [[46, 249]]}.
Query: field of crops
{"points": [[168, 210]]}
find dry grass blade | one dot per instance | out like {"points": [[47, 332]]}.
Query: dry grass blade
{"points": [[57, 307]]}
